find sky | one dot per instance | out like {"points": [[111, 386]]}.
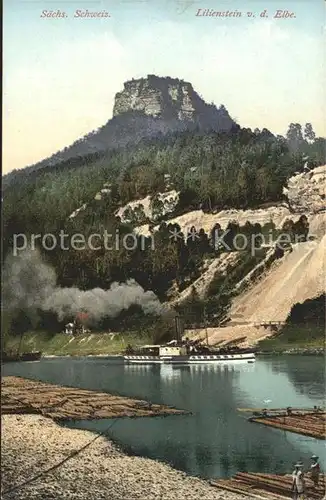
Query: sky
{"points": [[61, 75]]}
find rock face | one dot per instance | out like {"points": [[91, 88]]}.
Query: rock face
{"points": [[145, 108], [305, 194], [167, 202], [169, 99], [306, 191]]}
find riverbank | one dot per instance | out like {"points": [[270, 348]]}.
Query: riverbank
{"points": [[61, 344], [293, 351], [292, 340], [295, 340], [31, 444]]}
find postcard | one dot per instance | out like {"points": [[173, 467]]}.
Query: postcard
{"points": [[164, 174]]}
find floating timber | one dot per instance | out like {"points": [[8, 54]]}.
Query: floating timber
{"points": [[306, 421], [269, 486], [25, 396]]}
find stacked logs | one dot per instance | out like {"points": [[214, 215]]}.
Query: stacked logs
{"points": [[269, 486], [311, 423], [19, 395]]}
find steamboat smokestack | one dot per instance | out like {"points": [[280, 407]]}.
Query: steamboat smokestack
{"points": [[179, 327]]}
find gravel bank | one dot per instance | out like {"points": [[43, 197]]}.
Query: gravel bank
{"points": [[31, 443]]}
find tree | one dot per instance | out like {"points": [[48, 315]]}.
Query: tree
{"points": [[188, 199], [263, 181], [128, 214], [139, 214], [205, 191], [301, 229], [156, 207], [193, 307], [294, 136], [309, 134], [231, 232], [203, 242], [243, 184], [288, 227], [215, 234]]}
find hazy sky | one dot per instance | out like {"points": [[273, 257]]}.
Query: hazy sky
{"points": [[61, 75]]}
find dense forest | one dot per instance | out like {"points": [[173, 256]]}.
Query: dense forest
{"points": [[311, 312], [211, 171]]}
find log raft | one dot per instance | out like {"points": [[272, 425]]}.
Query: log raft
{"points": [[305, 421], [268, 486], [24, 396]]}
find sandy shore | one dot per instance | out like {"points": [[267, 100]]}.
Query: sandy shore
{"points": [[31, 444]]}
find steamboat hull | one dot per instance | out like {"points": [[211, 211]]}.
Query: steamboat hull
{"points": [[189, 360]]}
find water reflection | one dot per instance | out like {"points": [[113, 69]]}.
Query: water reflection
{"points": [[174, 372], [315, 368], [215, 440]]}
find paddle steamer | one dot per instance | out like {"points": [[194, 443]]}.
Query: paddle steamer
{"points": [[184, 353]]}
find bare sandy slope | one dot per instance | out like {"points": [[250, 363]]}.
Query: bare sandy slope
{"points": [[216, 335], [298, 277], [31, 444], [317, 225]]}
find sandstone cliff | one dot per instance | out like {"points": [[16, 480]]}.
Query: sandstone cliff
{"points": [[306, 191], [145, 108], [170, 99]]}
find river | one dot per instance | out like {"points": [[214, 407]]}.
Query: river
{"points": [[216, 440]]}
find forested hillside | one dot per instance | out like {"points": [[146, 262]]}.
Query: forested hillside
{"points": [[211, 171], [239, 169]]}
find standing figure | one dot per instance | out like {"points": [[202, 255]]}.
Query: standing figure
{"points": [[315, 470], [298, 483]]}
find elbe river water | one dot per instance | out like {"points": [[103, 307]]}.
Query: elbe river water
{"points": [[216, 440]]}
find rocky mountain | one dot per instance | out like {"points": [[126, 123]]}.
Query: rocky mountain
{"points": [[145, 108], [170, 99]]}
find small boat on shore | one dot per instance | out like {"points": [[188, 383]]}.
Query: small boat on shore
{"points": [[24, 356], [184, 353], [11, 356]]}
